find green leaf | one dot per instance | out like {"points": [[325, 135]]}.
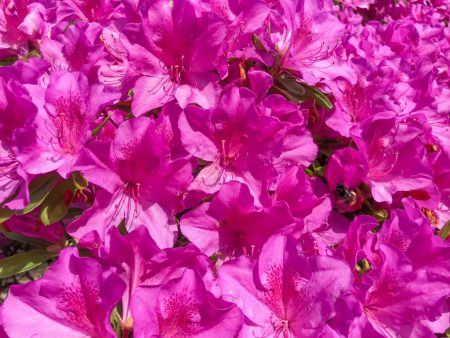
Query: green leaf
{"points": [[297, 91], [26, 261], [376, 229], [8, 61], [5, 214], [257, 43], [292, 86], [122, 227], [363, 266], [380, 215], [317, 96], [100, 126], [39, 190], [56, 205], [309, 172], [20, 238], [445, 231], [79, 181], [116, 322]]}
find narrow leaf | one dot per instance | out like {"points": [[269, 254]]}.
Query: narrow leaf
{"points": [[5, 214], [39, 190], [26, 261], [257, 43], [315, 94], [445, 231], [100, 126], [56, 205], [79, 181]]}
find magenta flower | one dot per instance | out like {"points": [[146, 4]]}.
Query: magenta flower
{"points": [[231, 225], [307, 197], [20, 21], [411, 232], [73, 48], [285, 294], [179, 50], [142, 185], [62, 126], [182, 307], [75, 298], [139, 261], [16, 111], [235, 139], [131, 254], [390, 147], [352, 105], [99, 11], [398, 298]]}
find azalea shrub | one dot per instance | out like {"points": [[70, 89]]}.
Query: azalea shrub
{"points": [[225, 168]]}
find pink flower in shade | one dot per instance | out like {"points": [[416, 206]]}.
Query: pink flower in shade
{"points": [[396, 298], [284, 294], [390, 147], [176, 55], [75, 298], [142, 184], [62, 126], [235, 139], [232, 225], [243, 17], [182, 307]]}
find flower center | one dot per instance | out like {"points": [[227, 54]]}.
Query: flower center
{"points": [[69, 120]]}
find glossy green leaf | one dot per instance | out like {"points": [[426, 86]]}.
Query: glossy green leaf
{"points": [[445, 231], [5, 214], [79, 181], [363, 266], [26, 261], [257, 43], [39, 190], [317, 96], [97, 129], [56, 205], [297, 91], [380, 215]]}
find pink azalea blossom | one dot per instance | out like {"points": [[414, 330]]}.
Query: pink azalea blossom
{"points": [[284, 294], [171, 59], [61, 128], [235, 139], [75, 298], [231, 225], [182, 307], [141, 184]]}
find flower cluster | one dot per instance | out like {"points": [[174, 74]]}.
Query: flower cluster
{"points": [[232, 168]]}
